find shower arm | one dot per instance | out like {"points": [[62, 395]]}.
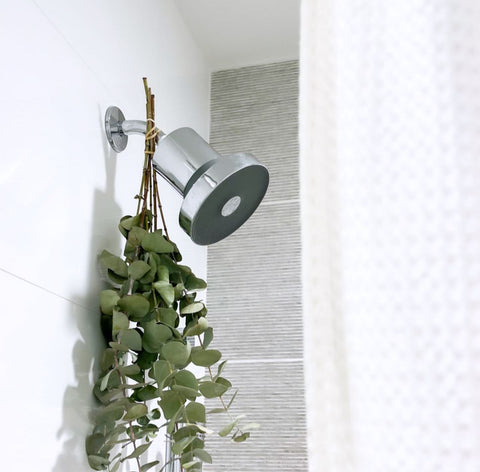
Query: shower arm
{"points": [[117, 128]]}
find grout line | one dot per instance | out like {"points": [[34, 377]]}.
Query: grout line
{"points": [[265, 361], [69, 44], [43, 288], [280, 202]]}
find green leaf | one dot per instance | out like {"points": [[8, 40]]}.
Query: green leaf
{"points": [[138, 269], [221, 366], [192, 308], [136, 306], [203, 455], [155, 335], [136, 236], [108, 299], [176, 352], [139, 450], [118, 347], [187, 379], [166, 291], [189, 465], [163, 274], [109, 414], [179, 446], [94, 443], [232, 399], [212, 389], [114, 263], [193, 283], [120, 321], [187, 392], [145, 467], [131, 338], [172, 424], [130, 370], [146, 359], [196, 327], [168, 316], [205, 358], [227, 429], [161, 370], [241, 437], [135, 411], [128, 222], [155, 242], [170, 403], [108, 359], [195, 412], [207, 337], [104, 382], [97, 462], [147, 393]]}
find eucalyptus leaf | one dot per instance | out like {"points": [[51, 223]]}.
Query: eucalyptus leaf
{"points": [[155, 335], [166, 291], [136, 236], [114, 264], [192, 308], [163, 273], [109, 414], [147, 393], [241, 437], [108, 359], [97, 462], [195, 412], [227, 429], [194, 283], [138, 269], [131, 338], [148, 466], [118, 347], [136, 306], [135, 411], [212, 389], [179, 446], [94, 443], [196, 327], [108, 300], [161, 370], [187, 392], [205, 357], [139, 450], [170, 402], [120, 321], [203, 455], [191, 464], [168, 316], [176, 352], [207, 337], [156, 242], [128, 222]]}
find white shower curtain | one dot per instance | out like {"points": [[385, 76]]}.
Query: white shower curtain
{"points": [[390, 192]]}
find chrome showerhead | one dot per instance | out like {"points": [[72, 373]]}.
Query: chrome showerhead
{"points": [[219, 192]]}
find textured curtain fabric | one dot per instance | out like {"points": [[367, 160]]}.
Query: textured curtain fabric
{"points": [[390, 202]]}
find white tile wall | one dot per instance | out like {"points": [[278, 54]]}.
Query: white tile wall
{"points": [[62, 192]]}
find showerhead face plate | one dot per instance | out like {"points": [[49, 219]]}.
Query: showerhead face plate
{"points": [[223, 198]]}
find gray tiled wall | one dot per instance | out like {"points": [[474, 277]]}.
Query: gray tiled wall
{"points": [[254, 293]]}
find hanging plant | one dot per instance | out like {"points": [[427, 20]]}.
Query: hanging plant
{"points": [[150, 319]]}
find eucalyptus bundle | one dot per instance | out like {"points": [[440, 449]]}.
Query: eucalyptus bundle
{"points": [[155, 329]]}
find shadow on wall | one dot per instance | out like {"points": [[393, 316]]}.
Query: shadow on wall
{"points": [[78, 400]]}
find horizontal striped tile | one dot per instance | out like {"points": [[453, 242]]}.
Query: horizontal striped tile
{"points": [[255, 109], [271, 395]]}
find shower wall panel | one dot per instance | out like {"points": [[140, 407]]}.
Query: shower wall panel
{"points": [[254, 293]]}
